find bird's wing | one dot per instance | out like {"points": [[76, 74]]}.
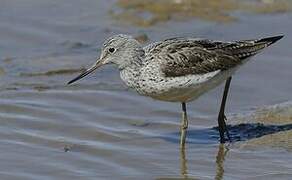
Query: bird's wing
{"points": [[180, 56], [196, 60]]}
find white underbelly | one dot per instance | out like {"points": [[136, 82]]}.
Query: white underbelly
{"points": [[192, 92]]}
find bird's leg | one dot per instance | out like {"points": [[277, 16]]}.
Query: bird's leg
{"points": [[221, 116], [184, 125]]}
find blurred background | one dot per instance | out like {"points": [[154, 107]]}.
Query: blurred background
{"points": [[99, 129]]}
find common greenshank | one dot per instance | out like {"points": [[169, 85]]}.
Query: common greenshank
{"points": [[179, 69]]}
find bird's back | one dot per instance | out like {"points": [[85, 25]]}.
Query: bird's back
{"points": [[181, 69], [184, 56]]}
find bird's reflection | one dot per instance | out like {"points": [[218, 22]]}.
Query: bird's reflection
{"points": [[239, 132], [220, 158], [183, 163]]}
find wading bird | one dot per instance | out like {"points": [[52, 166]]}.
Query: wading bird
{"points": [[179, 69]]}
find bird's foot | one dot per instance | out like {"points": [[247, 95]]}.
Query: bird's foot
{"points": [[226, 129], [223, 130]]}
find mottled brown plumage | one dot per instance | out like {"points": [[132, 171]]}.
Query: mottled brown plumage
{"points": [[181, 56]]}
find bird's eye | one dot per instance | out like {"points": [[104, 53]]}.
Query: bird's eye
{"points": [[111, 50]]}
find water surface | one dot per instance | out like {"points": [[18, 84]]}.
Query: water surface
{"points": [[99, 129]]}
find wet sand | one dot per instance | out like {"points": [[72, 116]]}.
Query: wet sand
{"points": [[99, 129]]}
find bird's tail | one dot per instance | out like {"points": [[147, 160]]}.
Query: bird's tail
{"points": [[269, 40], [248, 48]]}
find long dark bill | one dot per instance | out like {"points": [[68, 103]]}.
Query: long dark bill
{"points": [[86, 72]]}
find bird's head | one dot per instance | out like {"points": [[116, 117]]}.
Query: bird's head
{"points": [[121, 50]]}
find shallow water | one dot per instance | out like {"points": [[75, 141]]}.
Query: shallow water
{"points": [[99, 129]]}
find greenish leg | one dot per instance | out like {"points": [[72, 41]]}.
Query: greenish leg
{"points": [[184, 126]]}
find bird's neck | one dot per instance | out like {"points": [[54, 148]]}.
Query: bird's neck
{"points": [[131, 73]]}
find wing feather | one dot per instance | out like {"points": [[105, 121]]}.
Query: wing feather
{"points": [[185, 56], [195, 60]]}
